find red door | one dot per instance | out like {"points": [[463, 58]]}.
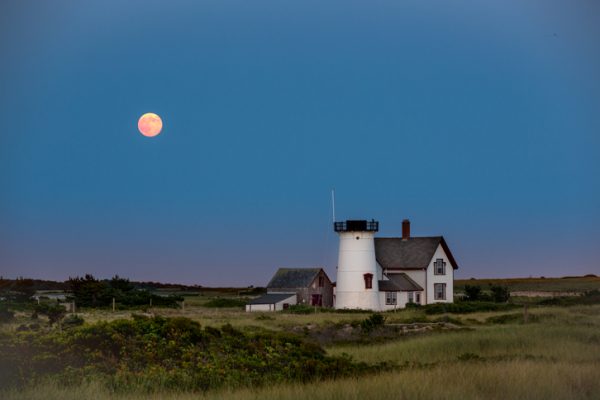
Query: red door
{"points": [[316, 300]]}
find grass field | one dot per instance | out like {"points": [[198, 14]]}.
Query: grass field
{"points": [[557, 357], [491, 355], [567, 284]]}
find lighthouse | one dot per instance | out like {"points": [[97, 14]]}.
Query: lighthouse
{"points": [[357, 280]]}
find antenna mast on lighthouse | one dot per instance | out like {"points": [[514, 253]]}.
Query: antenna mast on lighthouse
{"points": [[333, 203]]}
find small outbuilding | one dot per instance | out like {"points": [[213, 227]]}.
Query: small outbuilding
{"points": [[290, 286], [272, 302], [312, 285]]}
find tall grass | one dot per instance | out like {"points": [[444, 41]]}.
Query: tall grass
{"points": [[566, 334], [556, 357], [528, 380]]}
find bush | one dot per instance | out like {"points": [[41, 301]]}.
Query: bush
{"points": [[472, 292], [223, 303], [375, 320], [73, 320], [300, 309], [500, 294], [588, 298], [168, 353], [54, 311], [466, 307], [6, 315]]}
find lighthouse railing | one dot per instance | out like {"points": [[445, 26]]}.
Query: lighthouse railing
{"points": [[356, 226]]}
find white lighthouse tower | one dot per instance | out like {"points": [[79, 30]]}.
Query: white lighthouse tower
{"points": [[357, 285]]}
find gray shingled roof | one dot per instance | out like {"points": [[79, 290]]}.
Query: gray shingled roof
{"points": [[414, 253], [271, 298], [293, 277], [399, 283]]}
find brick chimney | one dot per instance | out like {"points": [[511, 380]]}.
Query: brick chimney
{"points": [[405, 229]]}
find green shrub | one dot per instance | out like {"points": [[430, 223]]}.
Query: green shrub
{"points": [[300, 309], [225, 303], [466, 307], [375, 320], [6, 315], [500, 294], [167, 353], [73, 320], [472, 292], [588, 298], [54, 311]]}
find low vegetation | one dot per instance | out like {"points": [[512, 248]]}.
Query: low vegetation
{"points": [[212, 349], [151, 354], [587, 298], [225, 303], [554, 356], [497, 293], [463, 307], [543, 284]]}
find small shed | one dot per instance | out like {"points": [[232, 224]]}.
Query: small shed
{"points": [[271, 302], [311, 285]]}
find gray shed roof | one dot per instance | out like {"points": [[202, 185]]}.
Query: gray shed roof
{"points": [[293, 277], [413, 253], [271, 298], [399, 283]]}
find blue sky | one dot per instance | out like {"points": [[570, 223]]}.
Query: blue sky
{"points": [[477, 120]]}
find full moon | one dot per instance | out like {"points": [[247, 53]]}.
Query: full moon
{"points": [[150, 124]]}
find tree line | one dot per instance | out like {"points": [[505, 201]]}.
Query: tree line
{"points": [[87, 291]]}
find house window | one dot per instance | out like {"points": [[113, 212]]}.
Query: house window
{"points": [[391, 298], [418, 298], [321, 281], [368, 281], [286, 306], [439, 267], [411, 297], [439, 290]]}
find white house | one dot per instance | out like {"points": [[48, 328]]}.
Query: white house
{"points": [[387, 273]]}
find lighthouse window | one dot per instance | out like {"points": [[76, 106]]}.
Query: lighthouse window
{"points": [[391, 298], [368, 281]]}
